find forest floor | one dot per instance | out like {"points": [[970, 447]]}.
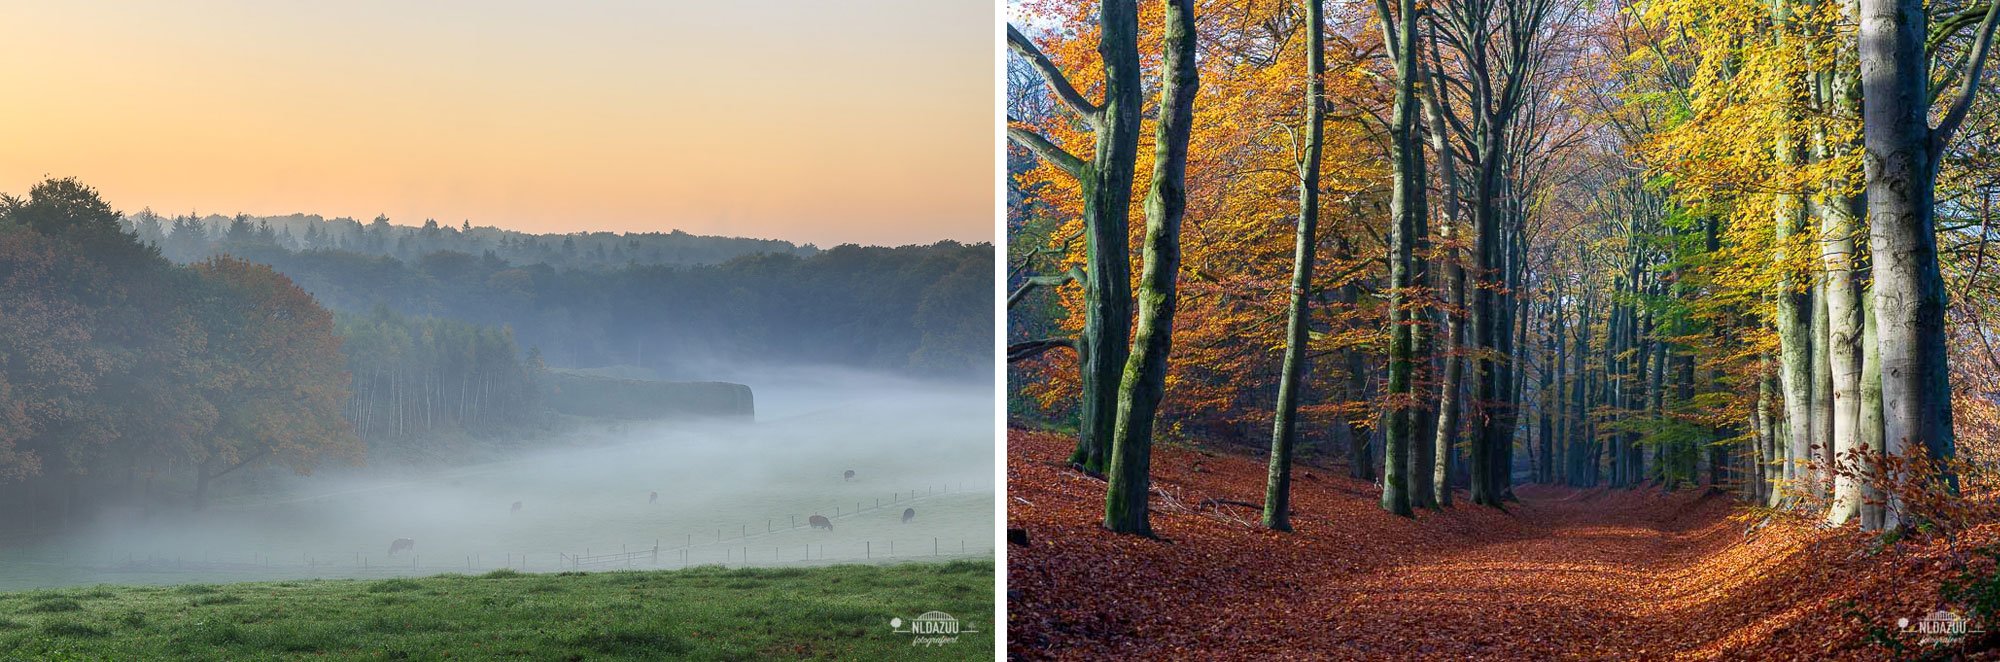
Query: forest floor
{"points": [[1562, 574]]}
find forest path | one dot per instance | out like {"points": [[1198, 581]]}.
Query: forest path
{"points": [[1563, 574], [1589, 574]]}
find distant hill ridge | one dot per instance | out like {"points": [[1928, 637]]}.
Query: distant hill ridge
{"points": [[189, 237]]}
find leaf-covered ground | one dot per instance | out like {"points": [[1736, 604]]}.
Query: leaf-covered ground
{"points": [[1564, 574]]}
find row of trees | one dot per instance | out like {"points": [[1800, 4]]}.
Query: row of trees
{"points": [[1825, 193], [191, 237], [919, 310], [123, 374], [117, 366], [417, 376], [1551, 231]]}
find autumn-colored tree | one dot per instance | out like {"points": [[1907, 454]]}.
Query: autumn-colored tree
{"points": [[1239, 237], [1104, 184], [273, 372]]}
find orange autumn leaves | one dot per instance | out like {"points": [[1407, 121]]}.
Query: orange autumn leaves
{"points": [[277, 364], [1238, 236], [114, 357], [1565, 574]]}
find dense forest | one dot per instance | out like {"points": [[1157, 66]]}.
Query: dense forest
{"points": [[117, 366], [1465, 246], [191, 237], [917, 310], [125, 374]]}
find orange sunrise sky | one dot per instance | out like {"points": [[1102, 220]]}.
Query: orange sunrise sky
{"points": [[864, 121]]}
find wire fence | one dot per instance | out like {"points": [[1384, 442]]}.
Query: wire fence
{"points": [[745, 548]]}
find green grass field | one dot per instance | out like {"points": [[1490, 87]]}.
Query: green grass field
{"points": [[700, 613]]}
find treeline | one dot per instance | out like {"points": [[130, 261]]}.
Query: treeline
{"points": [[118, 367], [126, 376], [1808, 269], [416, 376], [920, 310], [1513, 248], [190, 237]]}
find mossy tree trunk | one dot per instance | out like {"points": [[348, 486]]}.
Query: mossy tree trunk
{"points": [[1144, 379], [1284, 428], [1106, 185]]}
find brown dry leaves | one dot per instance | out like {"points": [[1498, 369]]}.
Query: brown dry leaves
{"points": [[1566, 574]]}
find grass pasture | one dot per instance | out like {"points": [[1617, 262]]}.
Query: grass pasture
{"points": [[829, 612]]}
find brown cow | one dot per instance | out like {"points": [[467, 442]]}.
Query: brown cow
{"points": [[848, 476], [820, 522], [517, 508], [401, 544], [909, 514]]}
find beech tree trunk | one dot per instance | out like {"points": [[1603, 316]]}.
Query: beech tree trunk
{"points": [[1451, 378], [1822, 393], [1406, 204], [1874, 514], [1845, 319], [1145, 375], [1794, 321], [1278, 485], [1102, 349], [1105, 182], [1900, 162]]}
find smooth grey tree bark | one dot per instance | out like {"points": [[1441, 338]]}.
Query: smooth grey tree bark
{"points": [[1900, 161], [1452, 289], [1822, 393], [1875, 515], [1840, 254]]}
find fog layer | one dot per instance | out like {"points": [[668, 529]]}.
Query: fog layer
{"points": [[727, 493]]}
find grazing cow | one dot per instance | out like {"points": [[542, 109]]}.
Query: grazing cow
{"points": [[655, 498], [517, 508], [909, 514], [848, 476], [402, 544], [820, 522]]}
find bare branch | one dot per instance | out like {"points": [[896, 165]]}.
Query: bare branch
{"points": [[1022, 351], [1981, 46], [1058, 280], [1948, 27], [1047, 150], [1019, 43]]}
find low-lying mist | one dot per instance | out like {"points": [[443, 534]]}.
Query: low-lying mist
{"points": [[730, 493]]}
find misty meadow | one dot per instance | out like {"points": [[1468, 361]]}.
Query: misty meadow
{"points": [[213, 400]]}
